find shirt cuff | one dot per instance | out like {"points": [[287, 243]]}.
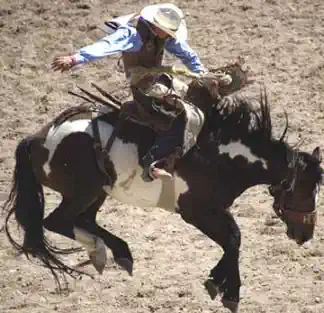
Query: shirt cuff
{"points": [[78, 59], [197, 69]]}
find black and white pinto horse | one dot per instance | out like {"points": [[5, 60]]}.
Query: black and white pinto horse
{"points": [[235, 150]]}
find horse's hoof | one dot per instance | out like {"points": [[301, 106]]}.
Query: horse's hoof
{"points": [[99, 257], [126, 264], [232, 305], [98, 263], [212, 289]]}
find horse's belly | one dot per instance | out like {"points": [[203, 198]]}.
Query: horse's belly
{"points": [[133, 190]]}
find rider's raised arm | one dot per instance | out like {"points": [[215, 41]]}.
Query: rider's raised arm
{"points": [[125, 38], [186, 54]]}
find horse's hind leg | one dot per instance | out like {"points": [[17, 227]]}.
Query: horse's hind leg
{"points": [[84, 229], [119, 248]]}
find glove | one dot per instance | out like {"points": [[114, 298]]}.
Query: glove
{"points": [[204, 71], [223, 78]]}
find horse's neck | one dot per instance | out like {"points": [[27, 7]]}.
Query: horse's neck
{"points": [[278, 155], [249, 157]]}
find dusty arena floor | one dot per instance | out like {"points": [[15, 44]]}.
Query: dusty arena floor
{"points": [[283, 42]]}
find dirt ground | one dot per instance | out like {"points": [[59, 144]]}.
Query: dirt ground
{"points": [[283, 41]]}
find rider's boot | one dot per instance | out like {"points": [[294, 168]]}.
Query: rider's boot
{"points": [[150, 172], [165, 151]]}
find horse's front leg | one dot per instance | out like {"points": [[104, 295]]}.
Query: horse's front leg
{"points": [[225, 276], [221, 227], [215, 284]]}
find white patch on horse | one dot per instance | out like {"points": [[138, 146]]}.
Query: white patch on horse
{"points": [[86, 239], [46, 168], [56, 134], [164, 194], [236, 148], [181, 186], [95, 246], [123, 155], [317, 191]]}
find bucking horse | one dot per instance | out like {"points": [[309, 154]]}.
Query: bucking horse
{"points": [[235, 150]]}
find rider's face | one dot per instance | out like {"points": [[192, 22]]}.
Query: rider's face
{"points": [[159, 32]]}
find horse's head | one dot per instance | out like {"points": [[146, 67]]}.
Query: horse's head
{"points": [[295, 196]]}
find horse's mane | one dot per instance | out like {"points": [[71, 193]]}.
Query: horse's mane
{"points": [[236, 113], [241, 114]]}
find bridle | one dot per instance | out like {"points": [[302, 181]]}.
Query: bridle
{"points": [[286, 186]]}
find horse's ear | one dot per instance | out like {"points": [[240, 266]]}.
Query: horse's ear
{"points": [[317, 154]]}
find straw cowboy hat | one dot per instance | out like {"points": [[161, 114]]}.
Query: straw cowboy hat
{"points": [[167, 17]]}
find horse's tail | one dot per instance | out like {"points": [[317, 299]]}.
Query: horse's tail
{"points": [[26, 201]]}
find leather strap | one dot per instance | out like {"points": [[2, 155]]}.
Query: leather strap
{"points": [[102, 152]]}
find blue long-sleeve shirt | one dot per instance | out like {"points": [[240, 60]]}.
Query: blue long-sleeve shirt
{"points": [[126, 38]]}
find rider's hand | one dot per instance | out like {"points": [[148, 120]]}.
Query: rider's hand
{"points": [[63, 63], [203, 71], [223, 78]]}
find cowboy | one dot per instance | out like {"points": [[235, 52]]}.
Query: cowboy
{"points": [[158, 27]]}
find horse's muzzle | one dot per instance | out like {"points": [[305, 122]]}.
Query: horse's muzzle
{"points": [[300, 232]]}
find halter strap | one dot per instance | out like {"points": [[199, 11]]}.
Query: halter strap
{"points": [[308, 218]]}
